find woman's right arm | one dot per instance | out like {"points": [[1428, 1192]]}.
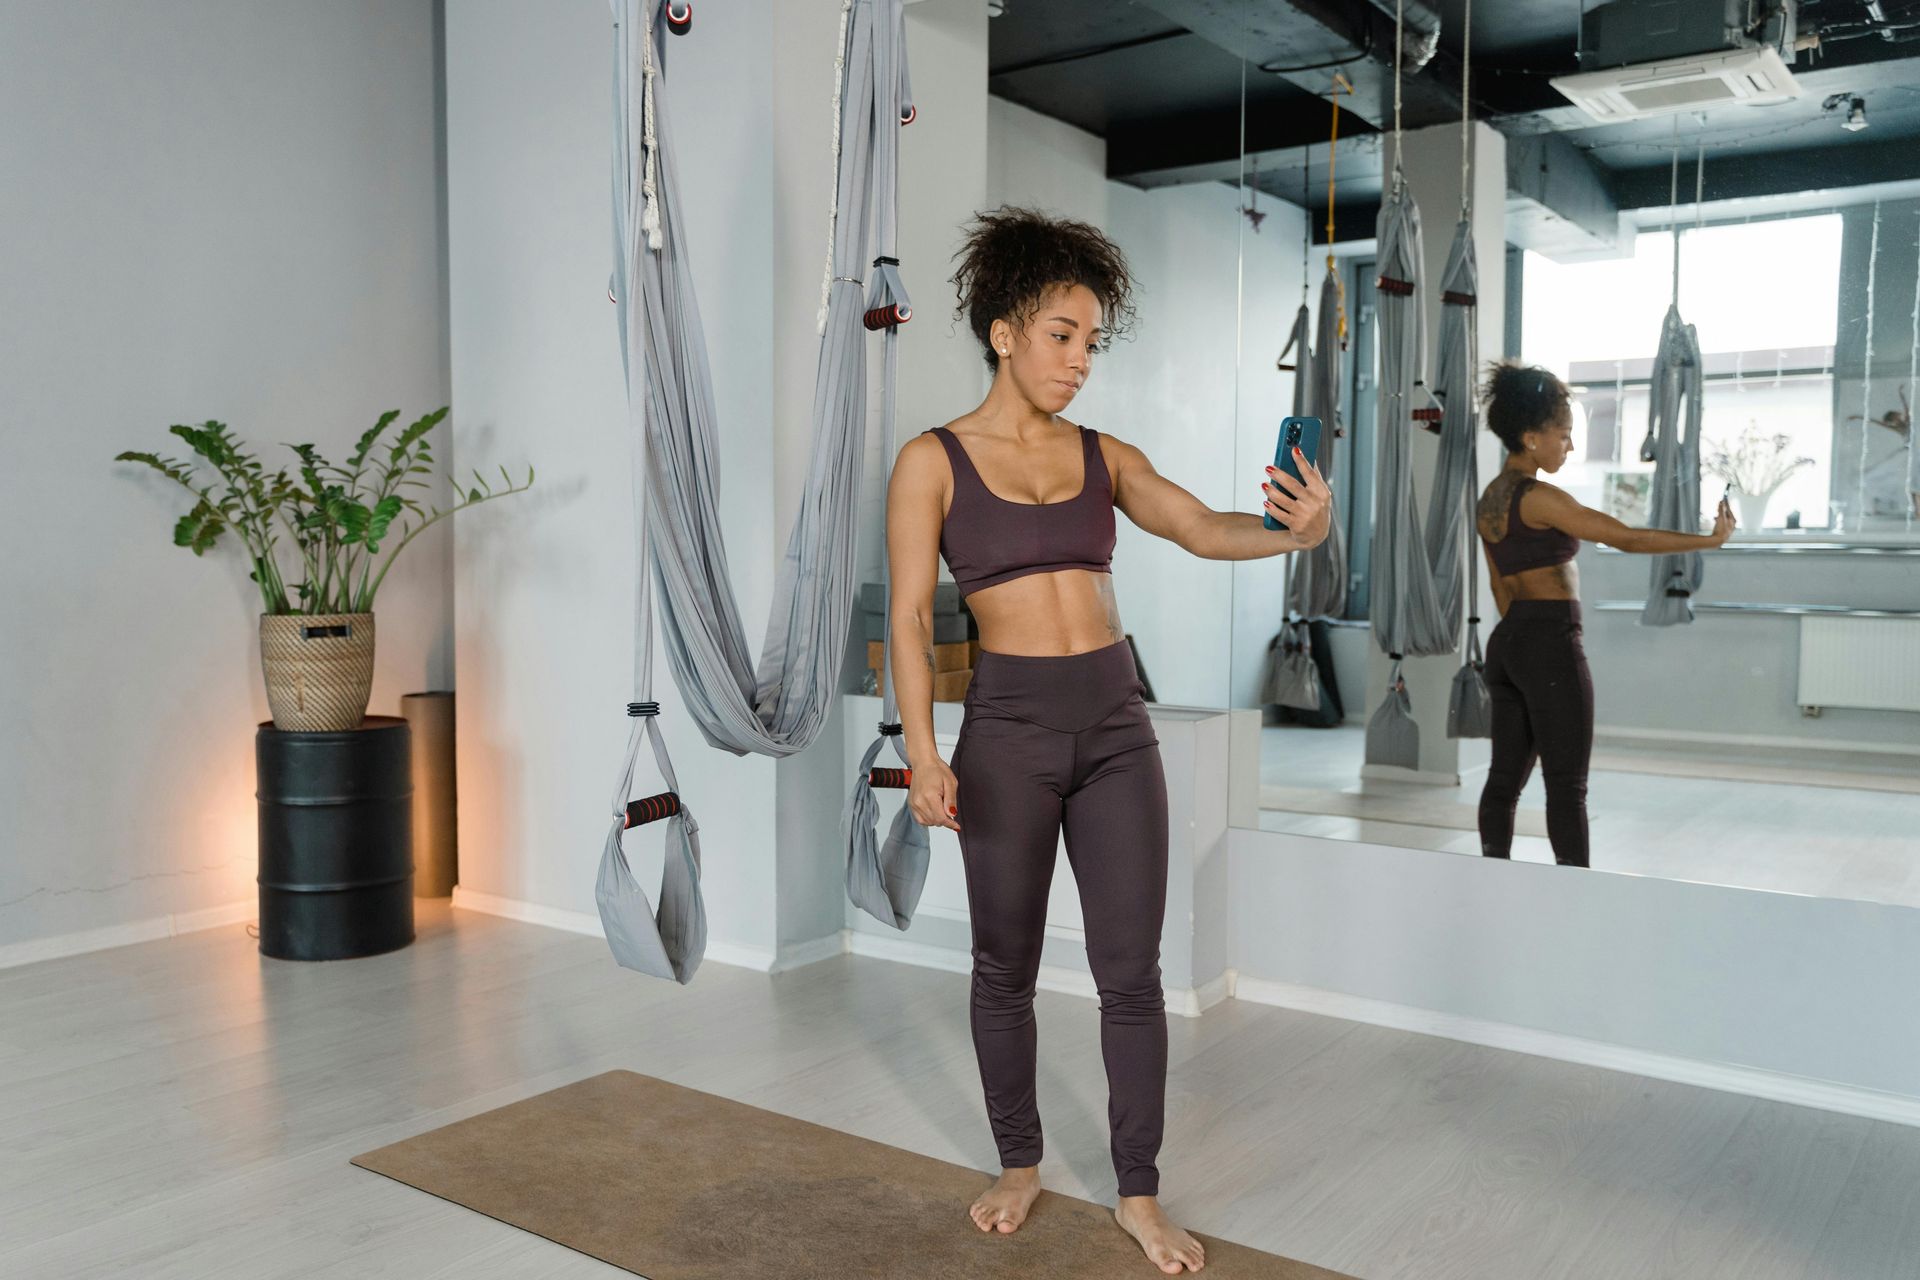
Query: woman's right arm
{"points": [[915, 496], [1549, 505]]}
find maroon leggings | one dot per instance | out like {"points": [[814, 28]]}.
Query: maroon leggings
{"points": [[1542, 710], [1051, 743]]}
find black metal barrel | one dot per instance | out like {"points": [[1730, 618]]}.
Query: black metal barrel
{"points": [[336, 840]]}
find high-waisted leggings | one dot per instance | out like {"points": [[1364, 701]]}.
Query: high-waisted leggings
{"points": [[1053, 743], [1542, 698]]}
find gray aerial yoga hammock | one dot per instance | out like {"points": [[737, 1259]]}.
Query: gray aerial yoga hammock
{"points": [[1673, 446], [1318, 587], [1416, 598], [1404, 602], [1674, 402], [780, 708], [1470, 707]]}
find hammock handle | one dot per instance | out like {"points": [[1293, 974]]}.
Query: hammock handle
{"points": [[899, 778], [680, 17], [652, 809]]}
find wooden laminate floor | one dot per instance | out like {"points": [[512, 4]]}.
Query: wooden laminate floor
{"points": [[186, 1109]]}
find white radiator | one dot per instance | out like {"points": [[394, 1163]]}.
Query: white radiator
{"points": [[1860, 662]]}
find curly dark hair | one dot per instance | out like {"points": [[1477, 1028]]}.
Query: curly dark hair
{"points": [[1520, 398], [1012, 257]]}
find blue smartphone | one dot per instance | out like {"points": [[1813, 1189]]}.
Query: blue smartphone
{"points": [[1305, 433]]}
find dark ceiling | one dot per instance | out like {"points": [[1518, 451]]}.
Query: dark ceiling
{"points": [[1161, 81]]}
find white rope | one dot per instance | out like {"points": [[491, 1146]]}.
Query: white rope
{"points": [[1673, 209], [833, 211], [1399, 42], [650, 218], [1466, 122]]}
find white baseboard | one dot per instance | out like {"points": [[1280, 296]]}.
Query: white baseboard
{"points": [[1187, 1002], [1729, 1078], [745, 957], [120, 935], [1702, 738], [802, 954], [1394, 773]]}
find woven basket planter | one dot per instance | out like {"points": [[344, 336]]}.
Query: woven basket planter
{"points": [[319, 669]]}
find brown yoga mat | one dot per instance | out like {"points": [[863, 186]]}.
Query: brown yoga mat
{"points": [[674, 1184]]}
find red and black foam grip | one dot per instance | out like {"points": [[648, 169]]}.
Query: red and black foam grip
{"points": [[652, 809], [888, 316], [1429, 418], [680, 17], [909, 115], [901, 778], [1399, 288]]}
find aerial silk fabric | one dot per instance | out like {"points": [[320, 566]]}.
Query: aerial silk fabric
{"points": [[1673, 446], [1457, 480], [1404, 605], [778, 705], [1318, 586]]}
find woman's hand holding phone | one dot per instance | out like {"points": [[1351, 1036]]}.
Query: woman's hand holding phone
{"points": [[1304, 505]]}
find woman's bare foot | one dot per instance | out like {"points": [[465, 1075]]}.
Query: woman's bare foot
{"points": [[1003, 1206], [1166, 1246]]}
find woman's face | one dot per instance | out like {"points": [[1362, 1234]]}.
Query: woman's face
{"points": [[1552, 445], [1052, 358]]}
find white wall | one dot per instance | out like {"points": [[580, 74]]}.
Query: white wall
{"points": [[211, 209], [1170, 389]]}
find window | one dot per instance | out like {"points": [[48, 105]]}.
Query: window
{"points": [[1764, 299]]}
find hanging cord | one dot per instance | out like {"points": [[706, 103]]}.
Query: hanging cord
{"points": [[650, 219], [833, 211], [1466, 123], [1673, 209], [1306, 223], [1399, 41]]}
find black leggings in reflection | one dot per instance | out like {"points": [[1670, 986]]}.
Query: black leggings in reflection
{"points": [[1052, 744], [1542, 710]]}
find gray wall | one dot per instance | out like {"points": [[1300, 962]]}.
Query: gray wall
{"points": [[211, 209], [1735, 675], [544, 628], [1782, 983]]}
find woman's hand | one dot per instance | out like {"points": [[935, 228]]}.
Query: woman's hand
{"points": [[1305, 505], [934, 795], [1723, 524]]}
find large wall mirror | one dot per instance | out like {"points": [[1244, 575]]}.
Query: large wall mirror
{"points": [[1771, 739]]}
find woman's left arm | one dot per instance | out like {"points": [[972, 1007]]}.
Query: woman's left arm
{"points": [[1166, 510]]}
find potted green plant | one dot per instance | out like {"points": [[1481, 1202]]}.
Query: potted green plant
{"points": [[316, 634]]}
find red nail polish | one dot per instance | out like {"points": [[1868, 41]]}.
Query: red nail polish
{"points": [[952, 812]]}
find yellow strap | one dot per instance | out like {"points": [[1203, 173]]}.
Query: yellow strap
{"points": [[1340, 85]]}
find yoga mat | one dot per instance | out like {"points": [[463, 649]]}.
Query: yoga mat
{"points": [[675, 1184]]}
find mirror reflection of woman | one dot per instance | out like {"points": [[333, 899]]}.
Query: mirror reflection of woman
{"points": [[1536, 672], [1056, 735]]}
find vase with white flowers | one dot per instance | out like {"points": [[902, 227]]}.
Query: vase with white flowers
{"points": [[1753, 466]]}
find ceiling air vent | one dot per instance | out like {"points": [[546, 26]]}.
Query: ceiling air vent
{"points": [[1680, 84]]}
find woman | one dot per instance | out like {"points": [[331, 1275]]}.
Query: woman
{"points": [[1020, 502], [1536, 670]]}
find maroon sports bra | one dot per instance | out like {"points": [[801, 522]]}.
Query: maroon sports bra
{"points": [[1525, 547], [988, 540]]}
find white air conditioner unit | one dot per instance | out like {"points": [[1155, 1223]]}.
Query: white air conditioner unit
{"points": [[1680, 84]]}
